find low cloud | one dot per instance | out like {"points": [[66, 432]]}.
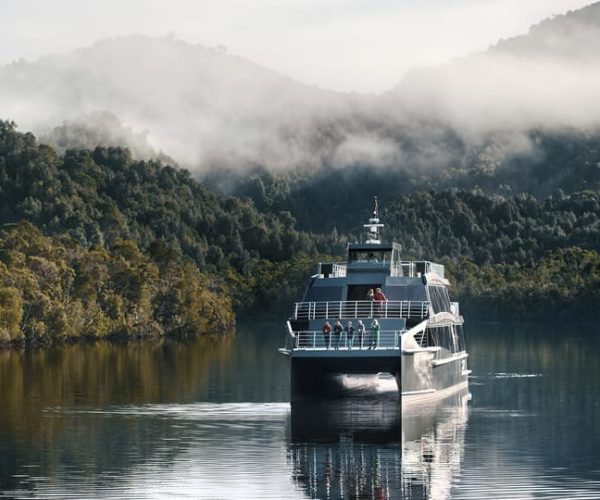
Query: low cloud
{"points": [[209, 110]]}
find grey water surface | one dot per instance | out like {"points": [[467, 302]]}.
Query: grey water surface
{"points": [[211, 418]]}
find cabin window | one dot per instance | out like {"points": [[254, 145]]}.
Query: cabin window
{"points": [[445, 337], [359, 292], [376, 256], [438, 296]]}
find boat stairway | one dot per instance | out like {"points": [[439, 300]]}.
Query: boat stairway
{"points": [[421, 338]]}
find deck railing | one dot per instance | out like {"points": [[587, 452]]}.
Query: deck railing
{"points": [[339, 270], [332, 270], [412, 269], [436, 268], [350, 309], [406, 268], [403, 268], [315, 340]]}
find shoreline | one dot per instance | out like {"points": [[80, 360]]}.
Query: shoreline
{"points": [[41, 344]]}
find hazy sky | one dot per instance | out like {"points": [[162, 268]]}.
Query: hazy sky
{"points": [[359, 45]]}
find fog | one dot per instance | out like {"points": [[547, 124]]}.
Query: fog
{"points": [[346, 45], [208, 109]]}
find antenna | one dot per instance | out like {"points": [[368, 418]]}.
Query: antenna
{"points": [[373, 225]]}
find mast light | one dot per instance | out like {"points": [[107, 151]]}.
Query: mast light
{"points": [[374, 225]]}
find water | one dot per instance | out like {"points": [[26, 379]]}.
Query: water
{"points": [[211, 419]]}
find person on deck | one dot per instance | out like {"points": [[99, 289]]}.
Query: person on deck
{"points": [[327, 334], [371, 299], [380, 298], [337, 330], [349, 335], [360, 329], [375, 329]]}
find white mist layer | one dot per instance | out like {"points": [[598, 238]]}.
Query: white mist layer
{"points": [[207, 109]]}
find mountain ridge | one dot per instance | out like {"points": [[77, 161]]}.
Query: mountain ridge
{"points": [[213, 111]]}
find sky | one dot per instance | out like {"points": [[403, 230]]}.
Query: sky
{"points": [[347, 45]]}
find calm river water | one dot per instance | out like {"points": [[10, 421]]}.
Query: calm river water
{"points": [[211, 419]]}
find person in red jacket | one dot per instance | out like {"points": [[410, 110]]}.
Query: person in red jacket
{"points": [[380, 298]]}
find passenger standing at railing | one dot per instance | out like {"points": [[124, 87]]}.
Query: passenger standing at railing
{"points": [[375, 328], [380, 298], [349, 335], [327, 334], [337, 330], [371, 299], [360, 329]]}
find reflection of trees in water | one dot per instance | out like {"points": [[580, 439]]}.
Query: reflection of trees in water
{"points": [[41, 391], [371, 449]]}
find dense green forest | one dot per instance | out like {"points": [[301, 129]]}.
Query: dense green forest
{"points": [[103, 196], [128, 247], [52, 288], [563, 284], [565, 161], [494, 229], [100, 195]]}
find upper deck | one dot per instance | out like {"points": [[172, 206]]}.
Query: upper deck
{"points": [[372, 266], [377, 258], [390, 267]]}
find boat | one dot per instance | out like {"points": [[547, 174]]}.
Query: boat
{"points": [[413, 331]]}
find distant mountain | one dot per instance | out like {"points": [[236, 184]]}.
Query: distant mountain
{"points": [[548, 78], [574, 36], [200, 105], [521, 116]]}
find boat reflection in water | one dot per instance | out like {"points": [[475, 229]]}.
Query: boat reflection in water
{"points": [[372, 446]]}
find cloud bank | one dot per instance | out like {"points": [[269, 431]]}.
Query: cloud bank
{"points": [[211, 110]]}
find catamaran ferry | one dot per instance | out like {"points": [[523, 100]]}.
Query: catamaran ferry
{"points": [[379, 315]]}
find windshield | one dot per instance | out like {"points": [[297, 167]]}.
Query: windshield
{"points": [[369, 256]]}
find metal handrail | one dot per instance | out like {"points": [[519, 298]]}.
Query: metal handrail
{"points": [[339, 270], [352, 309], [406, 268], [315, 340]]}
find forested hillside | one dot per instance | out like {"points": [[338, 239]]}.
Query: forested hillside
{"points": [[135, 247], [493, 229], [505, 253], [565, 283], [99, 195], [52, 288], [565, 162], [102, 199]]}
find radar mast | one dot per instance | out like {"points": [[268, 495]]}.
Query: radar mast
{"points": [[374, 225]]}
